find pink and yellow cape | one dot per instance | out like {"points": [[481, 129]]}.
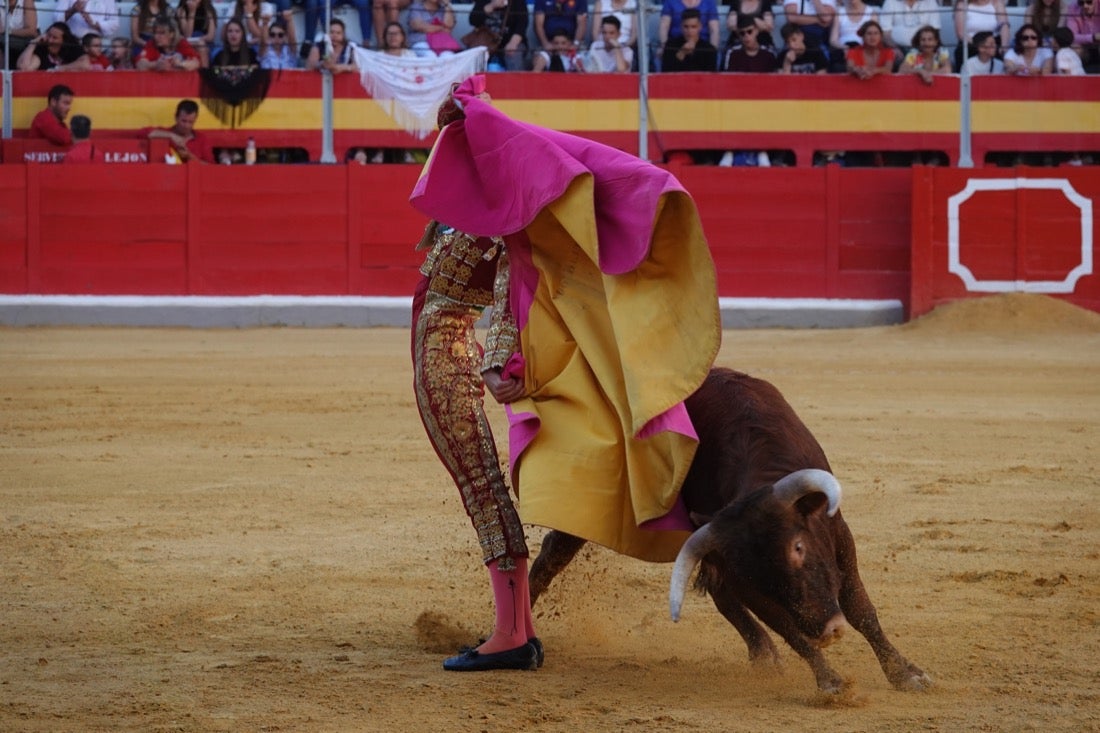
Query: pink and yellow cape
{"points": [[614, 292]]}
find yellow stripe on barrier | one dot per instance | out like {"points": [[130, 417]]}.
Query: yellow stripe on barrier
{"points": [[694, 116]]}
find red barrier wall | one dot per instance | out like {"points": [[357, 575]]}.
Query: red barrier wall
{"points": [[982, 231], [334, 230]]}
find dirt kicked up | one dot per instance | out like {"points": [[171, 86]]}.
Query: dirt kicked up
{"points": [[248, 531]]}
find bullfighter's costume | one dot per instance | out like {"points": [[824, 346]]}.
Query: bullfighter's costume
{"points": [[463, 274], [460, 274], [614, 292]]}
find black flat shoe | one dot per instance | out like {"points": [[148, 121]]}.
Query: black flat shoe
{"points": [[539, 656], [471, 660]]}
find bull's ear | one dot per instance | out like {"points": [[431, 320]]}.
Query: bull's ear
{"points": [[700, 519], [812, 504]]}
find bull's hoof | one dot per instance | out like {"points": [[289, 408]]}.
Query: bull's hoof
{"points": [[906, 676], [830, 683], [916, 682]]}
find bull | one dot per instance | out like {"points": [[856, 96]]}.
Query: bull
{"points": [[771, 543]]}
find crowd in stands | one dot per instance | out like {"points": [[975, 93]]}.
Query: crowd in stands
{"points": [[818, 36]]}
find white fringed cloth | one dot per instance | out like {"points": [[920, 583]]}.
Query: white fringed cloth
{"points": [[411, 89]]}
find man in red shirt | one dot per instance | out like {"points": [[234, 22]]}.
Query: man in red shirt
{"points": [[50, 122], [83, 150], [188, 143]]}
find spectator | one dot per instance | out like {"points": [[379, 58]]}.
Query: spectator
{"points": [[20, 17], [900, 20], [234, 51], [670, 27], [187, 143], [284, 11], [338, 52], [1027, 57], [927, 57], [1045, 15], [255, 17], [49, 124], [985, 61], [387, 11], [507, 19], [276, 51], [1084, 21], [689, 51], [552, 16], [363, 10], [609, 54], [762, 16], [625, 11], [873, 57], [90, 16], [750, 56], [1066, 60], [93, 58], [847, 21], [561, 57], [395, 41], [121, 55], [54, 48], [166, 51], [198, 23], [142, 16], [430, 25], [82, 151], [974, 16], [814, 18], [796, 58]]}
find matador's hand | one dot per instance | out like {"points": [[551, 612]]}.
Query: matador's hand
{"points": [[503, 389]]}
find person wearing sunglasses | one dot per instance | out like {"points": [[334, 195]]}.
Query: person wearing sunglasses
{"points": [[749, 57], [275, 52], [1028, 57]]}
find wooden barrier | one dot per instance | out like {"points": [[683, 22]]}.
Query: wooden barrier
{"points": [[923, 236], [336, 230], [1028, 230]]}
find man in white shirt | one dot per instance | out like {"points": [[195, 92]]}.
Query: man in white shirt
{"points": [[608, 54], [90, 16], [900, 19]]}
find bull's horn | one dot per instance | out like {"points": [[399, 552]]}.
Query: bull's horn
{"points": [[702, 541], [794, 486]]}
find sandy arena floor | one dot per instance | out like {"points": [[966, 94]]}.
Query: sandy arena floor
{"points": [[248, 531]]}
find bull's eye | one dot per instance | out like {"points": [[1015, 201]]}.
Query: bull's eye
{"points": [[799, 549]]}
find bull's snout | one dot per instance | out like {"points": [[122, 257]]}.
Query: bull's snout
{"points": [[834, 629]]}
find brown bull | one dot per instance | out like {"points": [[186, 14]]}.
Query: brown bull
{"points": [[772, 543]]}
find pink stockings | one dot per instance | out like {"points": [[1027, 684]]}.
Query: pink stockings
{"points": [[512, 598]]}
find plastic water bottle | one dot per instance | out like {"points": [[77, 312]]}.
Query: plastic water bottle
{"points": [[250, 152]]}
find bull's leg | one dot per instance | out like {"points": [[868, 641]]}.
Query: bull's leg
{"points": [[558, 549], [762, 650], [779, 621], [860, 612]]}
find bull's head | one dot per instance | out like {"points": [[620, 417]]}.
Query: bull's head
{"points": [[774, 552]]}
